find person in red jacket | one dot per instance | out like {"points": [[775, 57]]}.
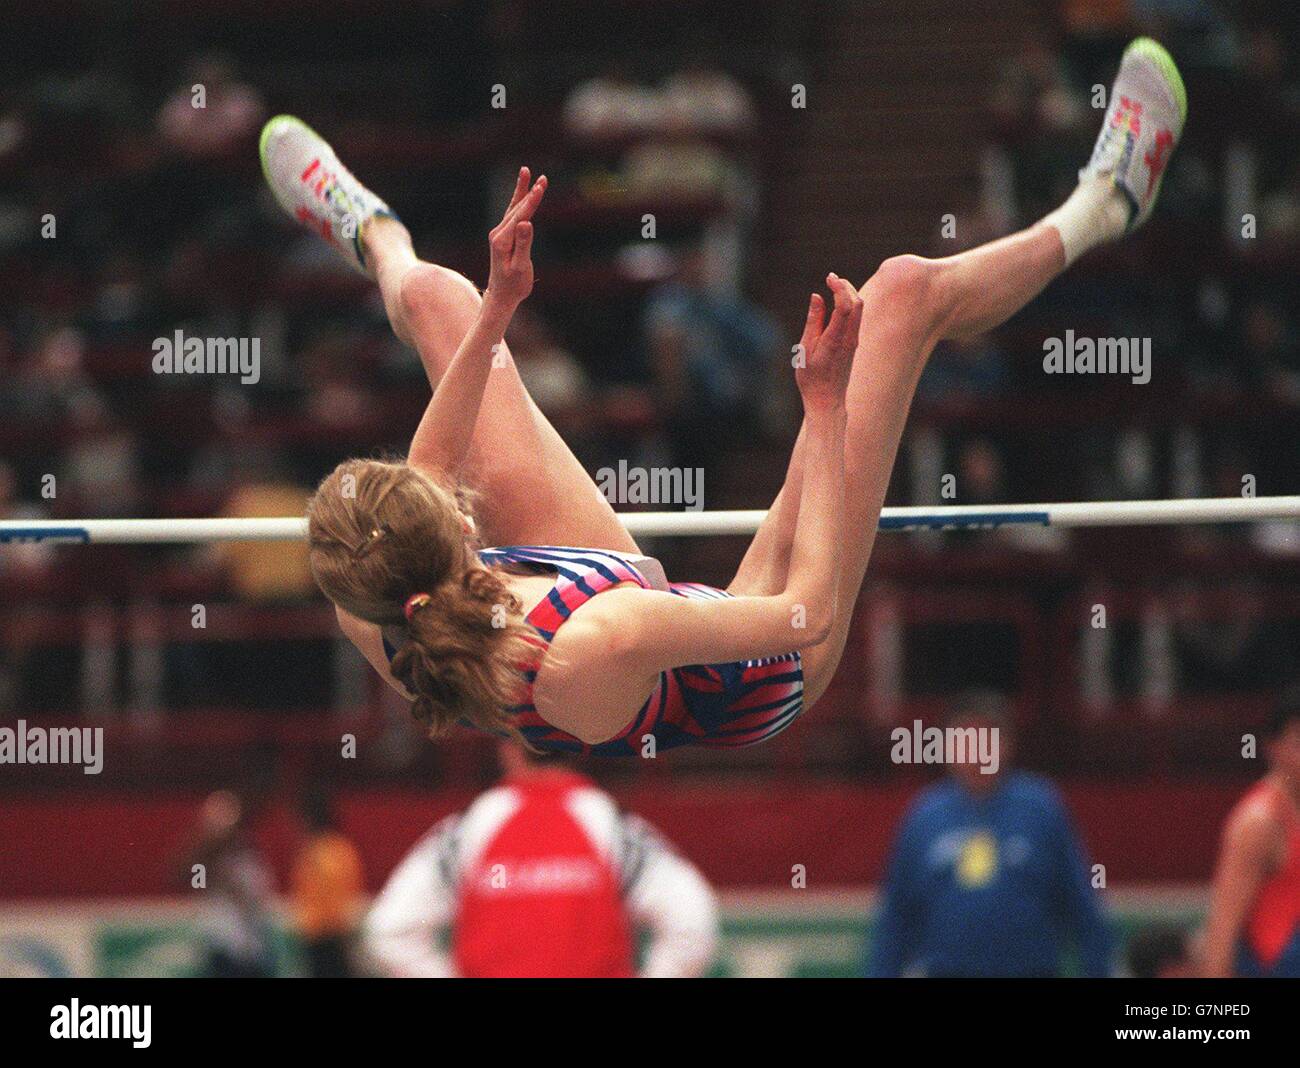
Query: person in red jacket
{"points": [[542, 876]]}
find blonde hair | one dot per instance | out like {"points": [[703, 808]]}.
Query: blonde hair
{"points": [[379, 533]]}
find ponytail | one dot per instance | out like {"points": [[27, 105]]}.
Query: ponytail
{"points": [[463, 657]]}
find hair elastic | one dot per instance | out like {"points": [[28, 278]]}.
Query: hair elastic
{"points": [[416, 600]]}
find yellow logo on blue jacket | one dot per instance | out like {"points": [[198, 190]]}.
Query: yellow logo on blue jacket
{"points": [[977, 860]]}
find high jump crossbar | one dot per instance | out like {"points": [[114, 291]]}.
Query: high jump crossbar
{"points": [[697, 524]]}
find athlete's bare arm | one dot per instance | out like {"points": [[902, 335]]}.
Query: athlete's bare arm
{"points": [[1247, 856], [442, 440], [622, 639]]}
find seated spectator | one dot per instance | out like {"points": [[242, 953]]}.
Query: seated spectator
{"points": [[701, 99], [552, 374], [1279, 212], [1271, 352], [19, 564], [612, 104], [20, 558], [230, 113], [1039, 111], [52, 383], [263, 571], [965, 369], [337, 389], [122, 302], [289, 672], [100, 469], [709, 356]]}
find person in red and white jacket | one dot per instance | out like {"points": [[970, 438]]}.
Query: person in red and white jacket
{"points": [[542, 876]]}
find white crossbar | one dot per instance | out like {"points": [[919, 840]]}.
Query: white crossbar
{"points": [[697, 524]]}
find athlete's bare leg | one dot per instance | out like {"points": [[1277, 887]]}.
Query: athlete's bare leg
{"points": [[910, 303], [532, 489], [915, 302]]}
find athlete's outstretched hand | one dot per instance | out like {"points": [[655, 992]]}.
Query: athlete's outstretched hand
{"points": [[511, 244], [825, 354]]}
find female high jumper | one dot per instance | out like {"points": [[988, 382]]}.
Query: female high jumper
{"points": [[590, 649]]}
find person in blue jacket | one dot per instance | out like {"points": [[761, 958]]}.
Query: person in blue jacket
{"points": [[987, 876]]}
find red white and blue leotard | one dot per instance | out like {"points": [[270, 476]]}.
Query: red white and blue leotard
{"points": [[716, 705]]}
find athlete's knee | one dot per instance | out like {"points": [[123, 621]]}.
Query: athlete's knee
{"points": [[905, 281], [427, 289], [913, 288]]}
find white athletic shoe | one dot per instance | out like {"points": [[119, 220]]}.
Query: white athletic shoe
{"points": [[1148, 106], [316, 189]]}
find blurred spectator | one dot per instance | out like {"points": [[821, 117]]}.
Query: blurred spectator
{"points": [[1279, 212], [554, 377], [982, 479], [236, 887], [337, 393], [327, 891], [543, 876], [1096, 18], [988, 877], [965, 370], [1096, 32], [1253, 928], [20, 558], [698, 103], [1232, 646], [214, 113], [122, 301], [612, 104], [700, 98], [980, 472], [1271, 352], [710, 355], [24, 564], [101, 466], [52, 384], [265, 571], [266, 670], [1044, 117]]}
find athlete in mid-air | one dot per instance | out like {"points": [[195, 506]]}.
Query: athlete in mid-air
{"points": [[565, 634]]}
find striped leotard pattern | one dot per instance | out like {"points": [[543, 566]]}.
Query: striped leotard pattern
{"points": [[716, 705]]}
